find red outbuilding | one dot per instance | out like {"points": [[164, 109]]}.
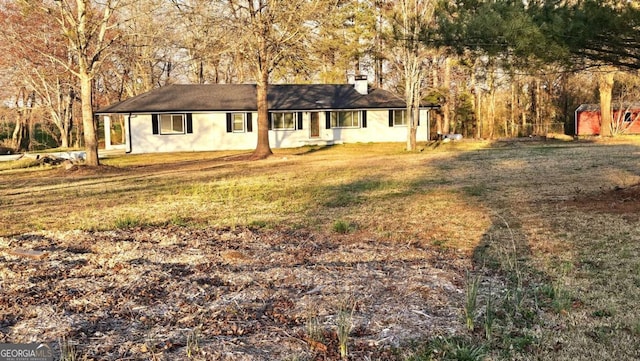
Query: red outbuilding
{"points": [[626, 119]]}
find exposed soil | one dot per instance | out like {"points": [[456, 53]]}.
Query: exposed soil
{"points": [[619, 200], [243, 294], [85, 170]]}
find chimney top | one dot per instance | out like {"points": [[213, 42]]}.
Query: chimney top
{"points": [[361, 84]]}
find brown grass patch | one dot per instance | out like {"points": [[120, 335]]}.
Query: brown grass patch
{"points": [[161, 245], [126, 294]]}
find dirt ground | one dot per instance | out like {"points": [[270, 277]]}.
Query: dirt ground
{"points": [[243, 294], [619, 200]]}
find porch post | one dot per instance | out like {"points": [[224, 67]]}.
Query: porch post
{"points": [[107, 132]]}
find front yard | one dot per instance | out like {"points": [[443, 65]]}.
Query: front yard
{"points": [[520, 250]]}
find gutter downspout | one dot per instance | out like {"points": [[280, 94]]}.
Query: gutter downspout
{"points": [[130, 146]]}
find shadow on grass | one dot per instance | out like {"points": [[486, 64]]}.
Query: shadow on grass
{"points": [[528, 259], [535, 262]]}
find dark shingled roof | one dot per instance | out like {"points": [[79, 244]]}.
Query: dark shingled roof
{"points": [[242, 97], [614, 106]]}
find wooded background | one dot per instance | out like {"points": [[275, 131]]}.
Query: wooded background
{"points": [[499, 68]]}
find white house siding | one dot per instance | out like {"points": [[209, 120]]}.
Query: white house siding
{"points": [[377, 130], [210, 134]]}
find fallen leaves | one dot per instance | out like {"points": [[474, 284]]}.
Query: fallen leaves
{"points": [[126, 293]]}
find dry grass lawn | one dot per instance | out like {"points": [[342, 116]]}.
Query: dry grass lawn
{"points": [[146, 255]]}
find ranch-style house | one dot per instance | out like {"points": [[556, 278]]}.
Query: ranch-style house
{"points": [[210, 117]]}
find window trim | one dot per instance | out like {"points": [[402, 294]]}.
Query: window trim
{"points": [[294, 120], [405, 118], [333, 115], [161, 130], [243, 122], [187, 119], [247, 122]]}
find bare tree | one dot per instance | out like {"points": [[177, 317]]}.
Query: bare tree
{"points": [[86, 27], [25, 38], [22, 137], [410, 18], [203, 41], [270, 33], [58, 95]]}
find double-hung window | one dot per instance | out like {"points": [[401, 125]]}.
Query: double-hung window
{"points": [[283, 121], [172, 124], [237, 122], [400, 117], [345, 119]]}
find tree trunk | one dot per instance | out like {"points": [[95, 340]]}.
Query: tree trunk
{"points": [[263, 149], [88, 123], [31, 130], [60, 121], [23, 131], [67, 118], [476, 95], [439, 128], [123, 132], [446, 108], [605, 88], [538, 109], [412, 111], [18, 132], [492, 113], [478, 112], [514, 100], [413, 82], [434, 72]]}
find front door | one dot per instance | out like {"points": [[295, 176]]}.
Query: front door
{"points": [[315, 125]]}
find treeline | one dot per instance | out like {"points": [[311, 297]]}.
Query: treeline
{"points": [[500, 68]]}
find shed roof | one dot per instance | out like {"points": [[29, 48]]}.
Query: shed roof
{"points": [[242, 97], [614, 106]]}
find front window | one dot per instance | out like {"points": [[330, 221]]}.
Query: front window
{"points": [[172, 124], [238, 122], [400, 117], [345, 119], [283, 121], [628, 117]]}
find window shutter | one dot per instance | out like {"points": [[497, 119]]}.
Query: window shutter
{"points": [[229, 123], [155, 124], [390, 118], [249, 123], [327, 118], [189, 123], [364, 118], [270, 120], [299, 120], [418, 120]]}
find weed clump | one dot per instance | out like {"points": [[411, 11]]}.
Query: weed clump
{"points": [[342, 227]]}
